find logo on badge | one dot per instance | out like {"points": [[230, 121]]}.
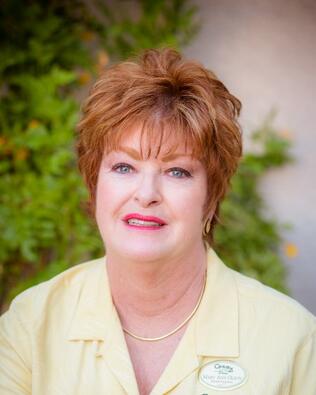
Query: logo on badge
{"points": [[222, 375]]}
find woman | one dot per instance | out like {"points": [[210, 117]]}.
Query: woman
{"points": [[160, 314]]}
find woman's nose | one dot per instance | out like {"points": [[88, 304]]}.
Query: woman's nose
{"points": [[148, 191]]}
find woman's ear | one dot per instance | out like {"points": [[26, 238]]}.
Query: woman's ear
{"points": [[209, 215]]}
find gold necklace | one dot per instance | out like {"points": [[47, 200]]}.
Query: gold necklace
{"points": [[154, 339]]}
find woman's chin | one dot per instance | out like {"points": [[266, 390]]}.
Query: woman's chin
{"points": [[145, 252]]}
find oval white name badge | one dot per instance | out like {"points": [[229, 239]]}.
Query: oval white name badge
{"points": [[222, 375]]}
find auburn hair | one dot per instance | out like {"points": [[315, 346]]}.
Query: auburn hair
{"points": [[170, 98]]}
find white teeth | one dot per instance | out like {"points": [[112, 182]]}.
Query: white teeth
{"points": [[139, 222]]}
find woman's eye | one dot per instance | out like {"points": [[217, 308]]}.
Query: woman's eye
{"points": [[122, 168], [180, 173]]}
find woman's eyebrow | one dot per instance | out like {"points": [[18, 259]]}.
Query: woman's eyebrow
{"points": [[136, 155]]}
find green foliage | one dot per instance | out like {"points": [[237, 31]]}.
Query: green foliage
{"points": [[41, 192], [246, 240], [46, 55], [155, 24]]}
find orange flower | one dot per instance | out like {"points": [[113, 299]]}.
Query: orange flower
{"points": [[285, 134], [291, 250], [34, 123], [21, 154], [102, 61], [103, 58], [87, 36], [3, 140], [5, 145], [84, 77]]}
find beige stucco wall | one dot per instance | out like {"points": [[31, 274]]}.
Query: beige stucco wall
{"points": [[265, 53]]}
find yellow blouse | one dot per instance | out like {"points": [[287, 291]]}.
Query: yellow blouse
{"points": [[63, 337]]}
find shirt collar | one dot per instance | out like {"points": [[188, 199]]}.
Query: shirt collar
{"points": [[216, 324], [94, 303]]}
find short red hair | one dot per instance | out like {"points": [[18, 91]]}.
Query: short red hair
{"points": [[168, 96]]}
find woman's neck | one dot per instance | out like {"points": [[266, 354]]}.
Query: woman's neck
{"points": [[156, 296]]}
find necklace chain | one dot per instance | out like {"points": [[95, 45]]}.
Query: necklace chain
{"points": [[154, 339]]}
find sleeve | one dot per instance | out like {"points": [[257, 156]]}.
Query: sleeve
{"points": [[304, 371], [15, 361]]}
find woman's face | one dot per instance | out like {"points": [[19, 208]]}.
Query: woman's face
{"points": [[172, 189]]}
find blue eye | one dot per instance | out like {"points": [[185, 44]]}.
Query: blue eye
{"points": [[180, 173], [122, 168]]}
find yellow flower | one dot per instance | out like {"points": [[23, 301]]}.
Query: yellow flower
{"points": [[291, 250]]}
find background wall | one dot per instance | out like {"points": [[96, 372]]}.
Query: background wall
{"points": [[265, 53]]}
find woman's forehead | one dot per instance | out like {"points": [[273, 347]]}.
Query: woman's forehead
{"points": [[140, 144]]}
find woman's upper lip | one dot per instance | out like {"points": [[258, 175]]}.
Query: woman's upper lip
{"points": [[144, 218]]}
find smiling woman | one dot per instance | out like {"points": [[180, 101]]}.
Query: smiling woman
{"points": [[158, 143], [169, 101]]}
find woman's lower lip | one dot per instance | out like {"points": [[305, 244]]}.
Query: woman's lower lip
{"points": [[144, 227]]}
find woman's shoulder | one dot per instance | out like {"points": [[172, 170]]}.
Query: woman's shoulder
{"points": [[261, 302], [52, 294]]}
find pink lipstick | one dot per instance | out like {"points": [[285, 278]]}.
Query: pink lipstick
{"points": [[143, 222]]}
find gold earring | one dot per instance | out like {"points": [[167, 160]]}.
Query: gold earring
{"points": [[207, 227]]}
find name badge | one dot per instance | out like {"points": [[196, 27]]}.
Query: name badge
{"points": [[222, 375]]}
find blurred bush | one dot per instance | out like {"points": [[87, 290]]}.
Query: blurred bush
{"points": [[246, 239], [49, 51], [40, 190]]}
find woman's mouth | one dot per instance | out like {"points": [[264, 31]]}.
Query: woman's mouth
{"points": [[139, 222], [135, 220]]}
